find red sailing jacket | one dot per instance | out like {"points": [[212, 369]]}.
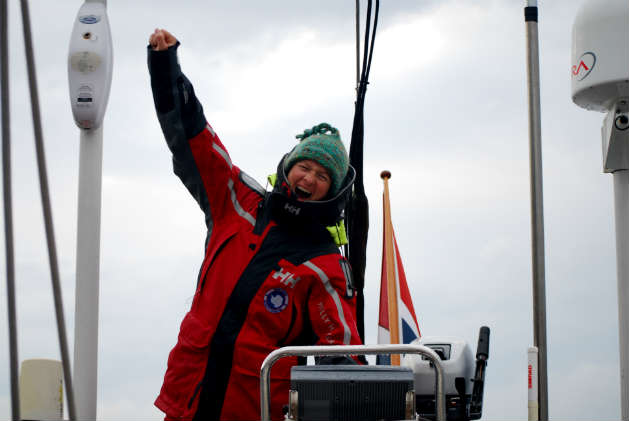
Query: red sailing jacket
{"points": [[262, 284]]}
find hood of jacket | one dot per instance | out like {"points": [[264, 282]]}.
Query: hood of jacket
{"points": [[287, 208]]}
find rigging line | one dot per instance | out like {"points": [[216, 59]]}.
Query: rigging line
{"points": [[348, 207], [366, 46], [373, 39], [357, 129], [8, 210], [367, 56], [356, 149], [45, 197], [368, 53], [357, 44]]}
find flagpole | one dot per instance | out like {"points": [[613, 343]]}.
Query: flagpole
{"points": [[390, 262]]}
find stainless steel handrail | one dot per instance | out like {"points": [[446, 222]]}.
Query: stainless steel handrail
{"points": [[328, 350]]}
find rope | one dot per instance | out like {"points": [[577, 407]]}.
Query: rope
{"points": [[373, 40], [8, 211], [45, 197]]}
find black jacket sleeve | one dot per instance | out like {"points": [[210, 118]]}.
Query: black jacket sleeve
{"points": [[181, 118]]}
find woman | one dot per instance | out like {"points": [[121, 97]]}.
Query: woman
{"points": [[271, 276]]}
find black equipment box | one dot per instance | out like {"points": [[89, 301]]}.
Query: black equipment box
{"points": [[351, 392]]}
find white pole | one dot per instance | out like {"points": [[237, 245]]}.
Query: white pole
{"points": [[87, 273], [90, 68], [621, 205]]}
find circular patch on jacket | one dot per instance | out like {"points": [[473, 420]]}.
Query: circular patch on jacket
{"points": [[275, 300]]}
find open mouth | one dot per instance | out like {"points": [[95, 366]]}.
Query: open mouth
{"points": [[302, 193]]}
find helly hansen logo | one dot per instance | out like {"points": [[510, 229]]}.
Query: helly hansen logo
{"points": [[292, 209], [286, 278]]}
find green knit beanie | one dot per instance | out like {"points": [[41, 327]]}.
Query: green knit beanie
{"points": [[323, 145]]}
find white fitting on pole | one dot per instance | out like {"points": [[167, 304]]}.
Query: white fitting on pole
{"points": [[90, 65], [532, 384], [41, 390]]}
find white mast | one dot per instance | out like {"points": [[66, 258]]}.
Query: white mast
{"points": [[90, 63], [600, 82]]}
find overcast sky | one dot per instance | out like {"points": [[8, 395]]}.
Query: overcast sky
{"points": [[445, 112]]}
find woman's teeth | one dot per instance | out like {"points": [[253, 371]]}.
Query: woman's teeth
{"points": [[301, 193]]}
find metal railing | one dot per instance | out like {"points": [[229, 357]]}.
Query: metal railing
{"points": [[330, 350]]}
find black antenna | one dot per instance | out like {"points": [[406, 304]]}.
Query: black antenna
{"points": [[482, 355]]}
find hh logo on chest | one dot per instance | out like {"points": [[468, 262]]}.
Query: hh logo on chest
{"points": [[286, 278], [292, 209]]}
